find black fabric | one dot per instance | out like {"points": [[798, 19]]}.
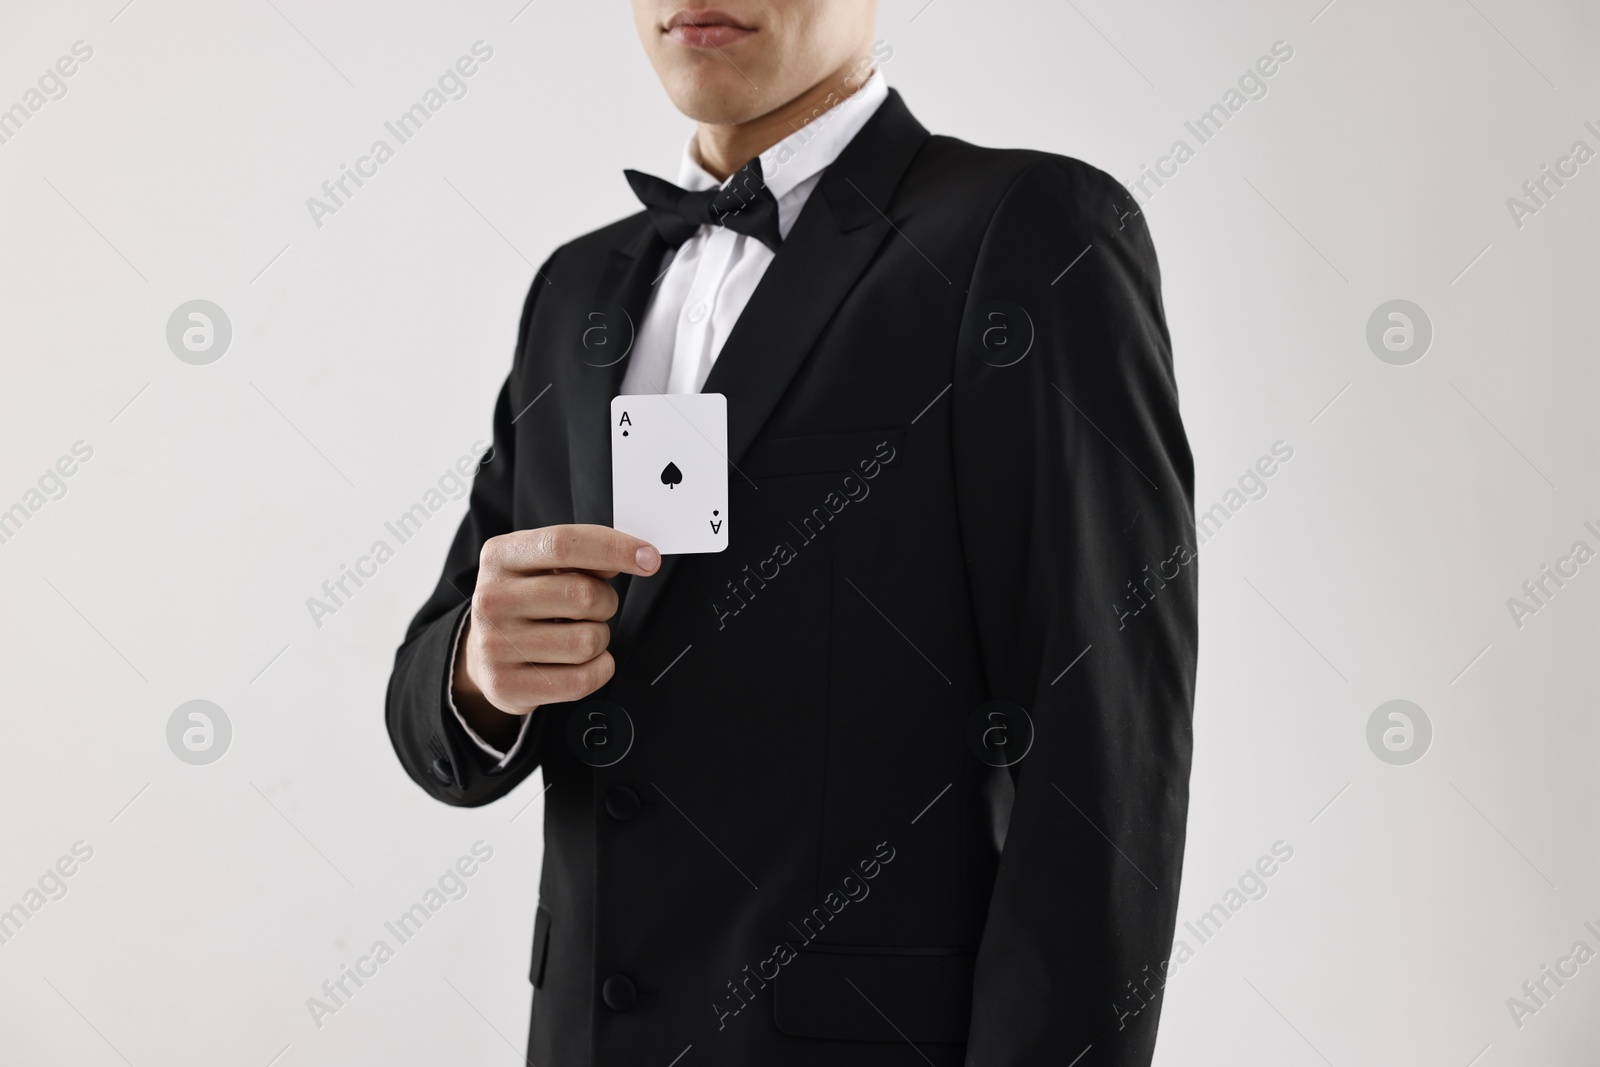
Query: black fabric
{"points": [[814, 455], [541, 941], [743, 204], [871, 994], [985, 328]]}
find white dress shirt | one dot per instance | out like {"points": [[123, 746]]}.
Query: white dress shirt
{"points": [[706, 283]]}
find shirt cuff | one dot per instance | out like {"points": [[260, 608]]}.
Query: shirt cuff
{"points": [[450, 699]]}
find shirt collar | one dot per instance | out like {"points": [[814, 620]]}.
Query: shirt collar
{"points": [[805, 152]]}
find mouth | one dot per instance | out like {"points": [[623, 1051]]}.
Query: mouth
{"points": [[708, 28]]}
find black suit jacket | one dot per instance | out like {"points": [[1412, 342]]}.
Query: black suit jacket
{"points": [[907, 765]]}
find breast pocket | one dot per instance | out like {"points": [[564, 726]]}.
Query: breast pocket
{"points": [[843, 453]]}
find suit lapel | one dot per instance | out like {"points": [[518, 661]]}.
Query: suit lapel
{"points": [[605, 331], [838, 231]]}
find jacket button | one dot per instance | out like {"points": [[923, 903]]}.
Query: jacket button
{"points": [[618, 993], [622, 803], [442, 772]]}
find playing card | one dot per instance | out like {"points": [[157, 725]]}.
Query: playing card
{"points": [[669, 470]]}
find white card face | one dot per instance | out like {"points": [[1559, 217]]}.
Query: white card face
{"points": [[669, 470]]}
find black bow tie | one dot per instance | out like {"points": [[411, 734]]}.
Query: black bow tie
{"points": [[744, 205]]}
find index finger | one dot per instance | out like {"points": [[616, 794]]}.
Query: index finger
{"points": [[571, 546]]}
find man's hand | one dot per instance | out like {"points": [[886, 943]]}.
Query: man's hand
{"points": [[537, 630]]}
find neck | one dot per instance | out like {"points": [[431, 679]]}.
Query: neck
{"points": [[724, 149]]}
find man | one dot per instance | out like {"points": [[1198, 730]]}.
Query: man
{"points": [[901, 776]]}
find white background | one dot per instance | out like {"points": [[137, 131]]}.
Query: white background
{"points": [[365, 359]]}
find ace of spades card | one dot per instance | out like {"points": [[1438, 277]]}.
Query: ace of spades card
{"points": [[669, 470]]}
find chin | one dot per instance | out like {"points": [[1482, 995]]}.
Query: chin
{"points": [[711, 98]]}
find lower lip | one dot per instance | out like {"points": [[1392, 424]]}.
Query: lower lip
{"points": [[708, 36]]}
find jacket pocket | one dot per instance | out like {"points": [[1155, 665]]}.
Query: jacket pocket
{"points": [[828, 453], [876, 994], [541, 945]]}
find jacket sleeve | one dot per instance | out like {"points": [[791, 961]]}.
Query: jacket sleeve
{"points": [[433, 746], [1075, 488]]}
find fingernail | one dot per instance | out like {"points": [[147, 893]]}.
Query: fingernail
{"points": [[647, 558]]}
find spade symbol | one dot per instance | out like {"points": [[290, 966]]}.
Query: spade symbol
{"points": [[671, 475]]}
